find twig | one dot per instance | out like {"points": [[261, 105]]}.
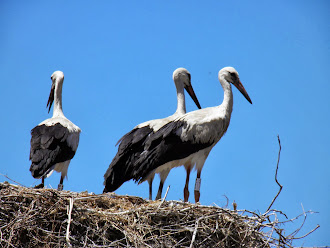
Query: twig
{"points": [[278, 161], [227, 201], [307, 233], [67, 237], [281, 237], [194, 234], [12, 180], [107, 213], [168, 188], [302, 224]]}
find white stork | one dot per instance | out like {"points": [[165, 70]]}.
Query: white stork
{"points": [[189, 139], [131, 144], [54, 141]]}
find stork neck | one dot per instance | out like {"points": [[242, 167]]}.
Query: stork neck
{"points": [[181, 107], [228, 100], [57, 111]]}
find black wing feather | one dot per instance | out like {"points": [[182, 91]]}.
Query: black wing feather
{"points": [[122, 166], [48, 147], [164, 146]]}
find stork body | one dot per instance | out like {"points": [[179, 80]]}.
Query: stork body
{"points": [[54, 141], [131, 144], [189, 139]]}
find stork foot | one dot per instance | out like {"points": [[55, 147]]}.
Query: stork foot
{"points": [[39, 186], [186, 194], [60, 187]]}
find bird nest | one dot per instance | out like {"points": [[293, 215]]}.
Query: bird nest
{"points": [[50, 218]]}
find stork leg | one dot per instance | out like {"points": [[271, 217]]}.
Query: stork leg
{"points": [[186, 190], [41, 185], [60, 186], [160, 190], [163, 175], [150, 187], [197, 186]]}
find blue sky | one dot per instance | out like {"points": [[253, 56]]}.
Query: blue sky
{"points": [[118, 59]]}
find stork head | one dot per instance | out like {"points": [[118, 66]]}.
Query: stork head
{"points": [[57, 78], [182, 78], [230, 75]]}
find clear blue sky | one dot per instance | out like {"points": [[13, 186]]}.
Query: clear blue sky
{"points": [[118, 59]]}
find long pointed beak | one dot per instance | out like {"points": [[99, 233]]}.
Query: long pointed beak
{"points": [[193, 96], [51, 97], [241, 88]]}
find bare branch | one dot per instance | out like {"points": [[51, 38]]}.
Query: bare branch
{"points": [[67, 237], [168, 188], [307, 233], [278, 161], [12, 180], [226, 202], [194, 234]]}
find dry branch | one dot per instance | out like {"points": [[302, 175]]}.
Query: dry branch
{"points": [[11, 179], [168, 188], [278, 161], [67, 236]]}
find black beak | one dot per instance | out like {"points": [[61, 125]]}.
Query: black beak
{"points": [[51, 97], [192, 94]]}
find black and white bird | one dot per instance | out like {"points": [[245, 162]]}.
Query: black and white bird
{"points": [[189, 139], [54, 141], [131, 144]]}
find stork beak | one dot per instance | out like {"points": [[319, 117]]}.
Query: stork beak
{"points": [[241, 88], [51, 97], [192, 94]]}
